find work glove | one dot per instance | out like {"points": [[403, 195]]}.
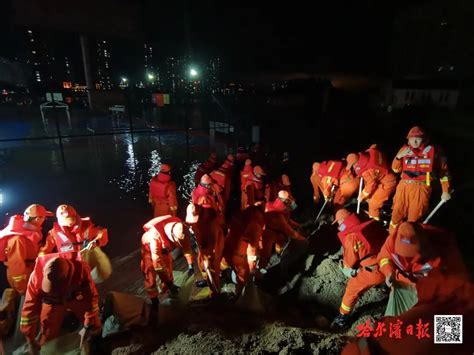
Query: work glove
{"points": [[33, 347], [190, 270], [85, 335], [389, 280], [404, 153], [172, 287], [445, 196]]}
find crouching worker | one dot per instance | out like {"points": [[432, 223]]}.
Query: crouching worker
{"points": [[162, 235], [361, 243], [59, 282]]}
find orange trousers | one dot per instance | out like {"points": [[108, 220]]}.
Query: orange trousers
{"points": [[241, 267], [410, 203], [213, 259], [150, 274], [52, 316], [269, 239], [378, 198], [356, 286]]}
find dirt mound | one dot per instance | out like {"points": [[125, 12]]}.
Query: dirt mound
{"points": [[272, 338]]}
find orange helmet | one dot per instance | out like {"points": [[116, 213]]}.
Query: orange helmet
{"points": [[35, 210], [248, 162], [283, 195], [66, 215], [415, 132], [407, 240], [230, 158], [258, 171], [206, 179], [341, 215]]}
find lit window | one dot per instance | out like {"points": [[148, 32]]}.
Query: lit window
{"points": [[440, 68], [32, 40], [34, 52], [451, 68], [30, 31]]}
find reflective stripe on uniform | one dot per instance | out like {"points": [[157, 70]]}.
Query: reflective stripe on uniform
{"points": [[19, 278], [252, 257], [384, 262], [346, 308], [28, 320]]}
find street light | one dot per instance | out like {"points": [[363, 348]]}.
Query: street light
{"points": [[124, 79], [193, 72], [150, 76]]}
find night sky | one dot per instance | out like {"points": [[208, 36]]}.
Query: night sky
{"points": [[343, 36]]}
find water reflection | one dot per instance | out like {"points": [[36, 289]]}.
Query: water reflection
{"points": [[187, 187]]}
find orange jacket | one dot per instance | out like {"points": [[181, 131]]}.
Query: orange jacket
{"points": [[65, 239], [254, 189], [423, 164], [203, 195], [244, 174], [409, 270], [162, 194], [245, 233], [21, 249], [78, 286], [361, 241]]}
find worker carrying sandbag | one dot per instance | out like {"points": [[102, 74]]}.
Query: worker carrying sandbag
{"points": [[72, 233], [361, 243], [60, 282]]}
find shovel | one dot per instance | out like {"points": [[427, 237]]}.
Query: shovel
{"points": [[361, 184], [251, 298], [438, 206], [325, 203]]}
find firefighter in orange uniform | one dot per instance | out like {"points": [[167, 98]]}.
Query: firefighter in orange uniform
{"points": [[208, 188], [73, 233], [208, 230], [411, 255], [419, 163], [162, 194], [20, 242], [244, 175], [162, 235], [241, 247], [361, 243], [205, 168], [255, 187], [59, 282], [223, 178], [379, 182], [423, 256], [332, 176], [275, 186], [277, 228]]}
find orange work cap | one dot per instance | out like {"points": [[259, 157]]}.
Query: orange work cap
{"points": [[55, 273], [283, 195], [191, 214], [206, 179], [415, 132], [407, 240], [351, 159], [341, 215], [258, 170], [65, 212], [36, 210], [165, 168]]}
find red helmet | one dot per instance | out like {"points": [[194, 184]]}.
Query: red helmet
{"points": [[415, 132]]}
